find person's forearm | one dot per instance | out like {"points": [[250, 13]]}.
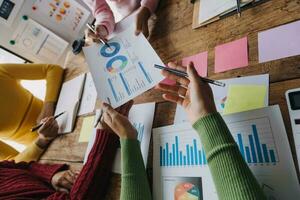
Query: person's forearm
{"points": [[102, 13], [31, 153], [225, 161], [134, 185], [92, 181]]}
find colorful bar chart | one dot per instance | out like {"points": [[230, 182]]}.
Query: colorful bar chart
{"points": [[248, 138]]}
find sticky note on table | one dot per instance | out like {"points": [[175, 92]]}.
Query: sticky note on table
{"points": [[200, 62], [231, 55], [279, 42], [86, 129], [245, 97]]}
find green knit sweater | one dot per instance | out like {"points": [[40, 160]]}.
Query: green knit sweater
{"points": [[232, 177]]}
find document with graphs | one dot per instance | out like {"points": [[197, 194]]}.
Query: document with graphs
{"points": [[125, 68]]}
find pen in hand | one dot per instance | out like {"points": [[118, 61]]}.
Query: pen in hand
{"points": [[41, 124], [184, 74], [92, 28]]}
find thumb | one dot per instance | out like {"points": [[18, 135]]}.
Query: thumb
{"points": [[192, 73]]}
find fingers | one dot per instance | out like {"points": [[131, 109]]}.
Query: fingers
{"points": [[47, 123], [181, 91], [145, 29], [173, 98], [126, 108], [139, 26], [176, 66], [108, 114], [101, 31], [181, 80]]}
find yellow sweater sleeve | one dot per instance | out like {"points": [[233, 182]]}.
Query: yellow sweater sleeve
{"points": [[31, 153], [52, 73]]}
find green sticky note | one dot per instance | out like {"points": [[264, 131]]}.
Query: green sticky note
{"points": [[245, 97], [86, 129]]}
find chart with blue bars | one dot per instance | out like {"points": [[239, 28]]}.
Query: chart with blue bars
{"points": [[140, 127], [254, 139]]}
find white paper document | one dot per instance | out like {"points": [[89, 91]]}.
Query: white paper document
{"points": [[43, 44], [220, 93], [125, 70], [68, 102], [141, 116], [89, 96], [261, 138], [213, 8]]}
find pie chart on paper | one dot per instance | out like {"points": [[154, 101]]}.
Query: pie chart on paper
{"points": [[187, 191]]}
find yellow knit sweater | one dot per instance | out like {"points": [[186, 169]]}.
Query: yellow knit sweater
{"points": [[19, 109]]}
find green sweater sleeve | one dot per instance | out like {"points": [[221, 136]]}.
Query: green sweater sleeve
{"points": [[134, 184], [231, 175]]}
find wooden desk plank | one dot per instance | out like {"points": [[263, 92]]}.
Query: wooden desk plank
{"points": [[173, 39]]}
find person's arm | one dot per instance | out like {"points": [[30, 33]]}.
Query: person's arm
{"points": [[232, 176], [44, 172], [103, 14], [93, 179], [134, 185], [225, 160], [53, 74]]}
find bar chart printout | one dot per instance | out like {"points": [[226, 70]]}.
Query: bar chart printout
{"points": [[121, 71], [254, 139], [261, 139]]}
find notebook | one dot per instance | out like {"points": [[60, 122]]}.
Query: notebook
{"points": [[68, 102], [208, 11]]}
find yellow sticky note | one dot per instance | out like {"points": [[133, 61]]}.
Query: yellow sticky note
{"points": [[86, 129], [245, 97]]}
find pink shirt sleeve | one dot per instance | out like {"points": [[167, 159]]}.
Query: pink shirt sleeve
{"points": [[103, 14], [150, 4]]}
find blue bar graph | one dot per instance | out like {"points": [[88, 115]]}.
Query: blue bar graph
{"points": [[145, 73], [113, 90], [240, 143], [191, 153], [125, 83]]}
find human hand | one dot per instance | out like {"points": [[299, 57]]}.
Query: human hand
{"points": [[47, 132], [64, 180], [118, 122], [100, 32], [47, 111], [142, 21], [194, 95]]}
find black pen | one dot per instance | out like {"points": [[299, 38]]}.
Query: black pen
{"points": [[238, 7], [184, 74], [41, 124], [101, 40]]}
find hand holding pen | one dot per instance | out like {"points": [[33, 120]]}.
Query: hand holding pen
{"points": [[98, 33], [192, 93]]}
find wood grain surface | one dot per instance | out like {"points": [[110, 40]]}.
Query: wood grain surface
{"points": [[173, 38]]}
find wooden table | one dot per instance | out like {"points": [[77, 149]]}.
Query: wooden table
{"points": [[173, 39]]}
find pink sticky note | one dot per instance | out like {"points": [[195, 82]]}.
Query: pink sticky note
{"points": [[200, 62], [231, 55]]}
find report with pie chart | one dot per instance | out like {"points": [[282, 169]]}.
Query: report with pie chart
{"points": [[125, 68]]}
